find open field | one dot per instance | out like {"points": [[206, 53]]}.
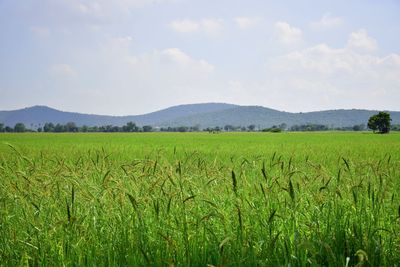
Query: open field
{"points": [[192, 199]]}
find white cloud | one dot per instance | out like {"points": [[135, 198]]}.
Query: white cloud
{"points": [[208, 26], [288, 34], [322, 59], [360, 40], [40, 31], [327, 22], [244, 23], [212, 26], [185, 25], [63, 70], [115, 48], [121, 41], [95, 6], [105, 9], [120, 81], [171, 60], [322, 77], [117, 53]]}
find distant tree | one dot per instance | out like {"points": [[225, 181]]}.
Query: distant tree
{"points": [[309, 127], [108, 128], [39, 129], [195, 128], [115, 129], [380, 122], [59, 128], [251, 127], [48, 127], [182, 129], [283, 126], [229, 128], [71, 127], [130, 127], [358, 127], [8, 129], [19, 127], [275, 130], [2, 127], [395, 127], [94, 129], [147, 128], [84, 129]]}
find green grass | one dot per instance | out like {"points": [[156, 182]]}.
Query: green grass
{"points": [[192, 199]]}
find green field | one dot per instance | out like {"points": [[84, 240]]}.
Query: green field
{"points": [[192, 199]]}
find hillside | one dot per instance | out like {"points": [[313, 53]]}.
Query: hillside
{"points": [[237, 116], [204, 115], [265, 117], [39, 115]]}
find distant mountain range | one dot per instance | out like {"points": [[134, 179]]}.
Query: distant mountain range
{"points": [[203, 115]]}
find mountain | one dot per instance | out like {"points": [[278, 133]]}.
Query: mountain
{"points": [[39, 115], [266, 117], [237, 116], [175, 112], [205, 115]]}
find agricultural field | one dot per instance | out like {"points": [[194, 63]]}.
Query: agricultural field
{"points": [[198, 199]]}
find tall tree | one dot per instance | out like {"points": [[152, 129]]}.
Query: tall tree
{"points": [[251, 127], [48, 127], [380, 122], [130, 127], [147, 128], [8, 129], [19, 127], [71, 127]]}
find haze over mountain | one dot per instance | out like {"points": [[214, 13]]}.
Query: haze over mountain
{"points": [[203, 115]]}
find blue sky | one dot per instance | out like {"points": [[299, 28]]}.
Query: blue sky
{"points": [[136, 56]]}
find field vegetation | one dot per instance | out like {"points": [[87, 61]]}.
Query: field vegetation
{"points": [[198, 199]]}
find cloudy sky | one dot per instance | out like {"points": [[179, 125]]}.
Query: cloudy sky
{"points": [[135, 56]]}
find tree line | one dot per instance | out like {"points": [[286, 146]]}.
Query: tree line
{"points": [[71, 127], [132, 127], [378, 123]]}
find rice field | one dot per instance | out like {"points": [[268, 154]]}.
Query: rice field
{"points": [[199, 199]]}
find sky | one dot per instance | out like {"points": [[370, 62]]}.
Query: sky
{"points": [[126, 57]]}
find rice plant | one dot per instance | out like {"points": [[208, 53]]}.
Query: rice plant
{"points": [[321, 199]]}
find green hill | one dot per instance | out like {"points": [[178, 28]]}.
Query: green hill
{"points": [[203, 115]]}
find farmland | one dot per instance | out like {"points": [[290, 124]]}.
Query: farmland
{"points": [[192, 199]]}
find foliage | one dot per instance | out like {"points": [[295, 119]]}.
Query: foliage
{"points": [[129, 127], [132, 127], [251, 127], [358, 127], [380, 122], [147, 128], [19, 128], [395, 127], [195, 199], [8, 129], [71, 127], [273, 129], [309, 128]]}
